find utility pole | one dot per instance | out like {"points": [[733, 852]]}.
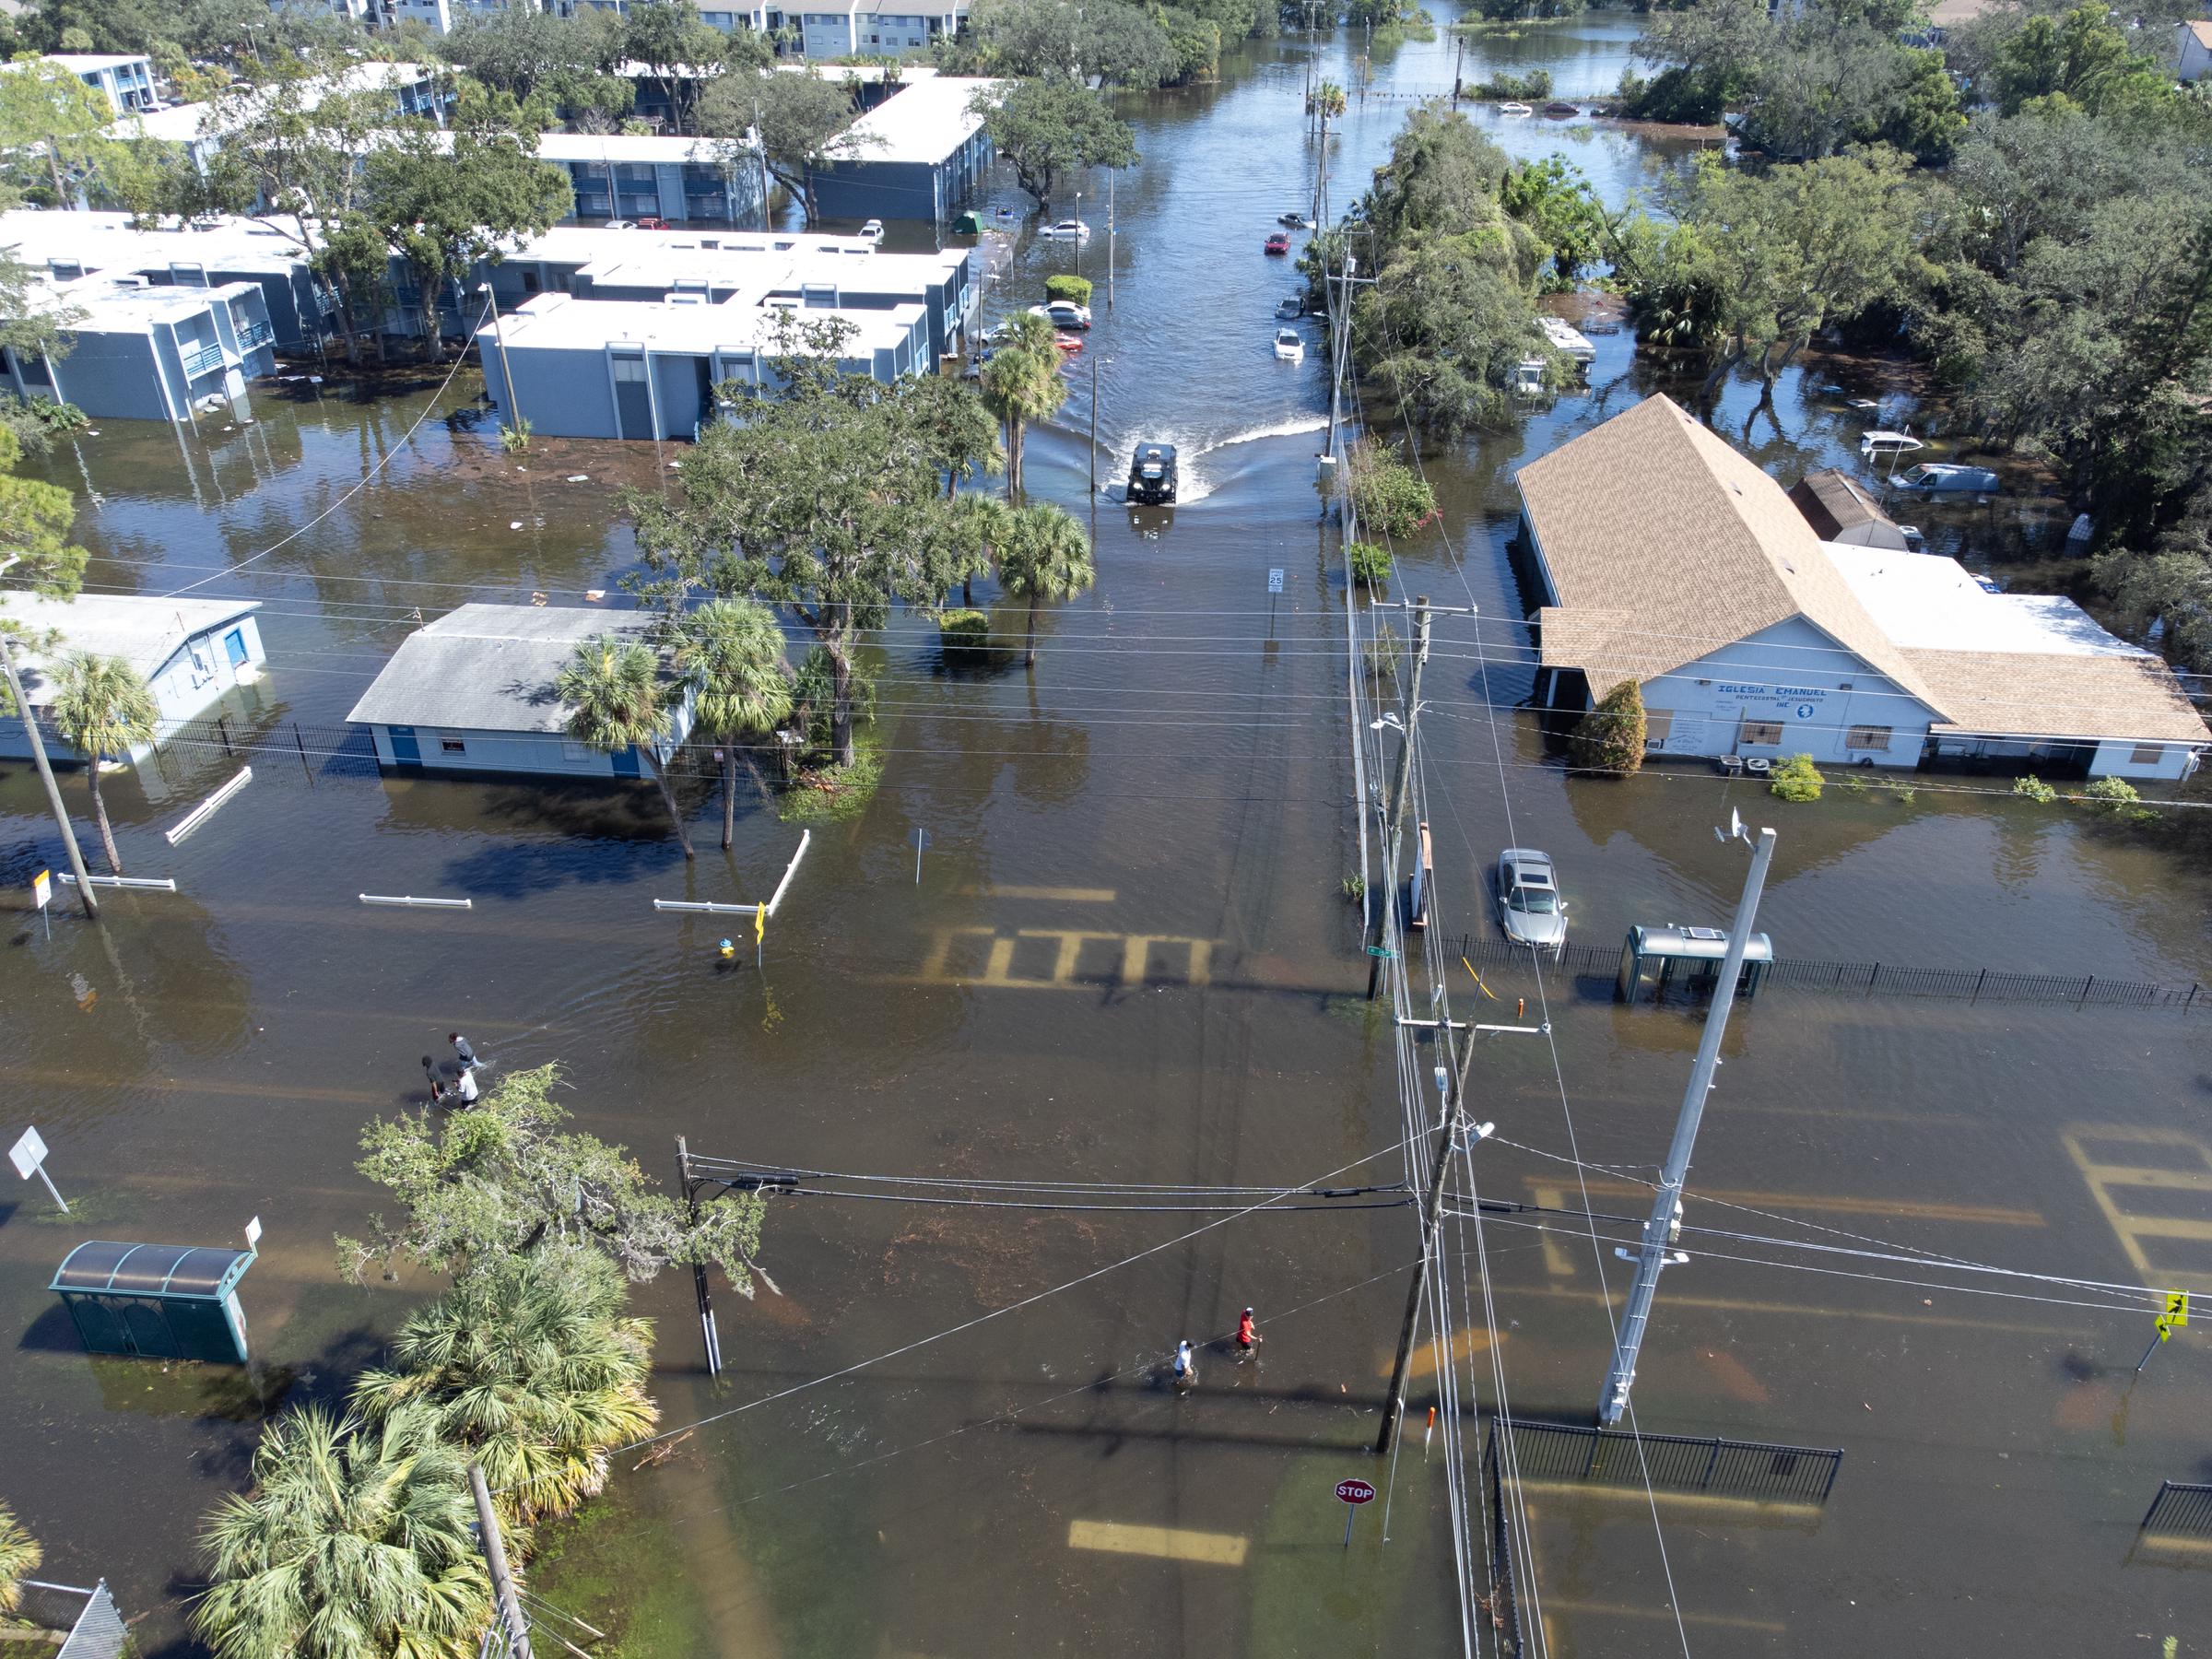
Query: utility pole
{"points": [[1094, 427], [1666, 1206], [1394, 819], [1340, 321], [1432, 1210], [1459, 59], [514, 402], [708, 1333], [760, 143], [512, 1622], [53, 789], [1110, 240]]}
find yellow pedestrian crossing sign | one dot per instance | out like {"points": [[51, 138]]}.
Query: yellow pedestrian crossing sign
{"points": [[2176, 1314], [760, 922]]}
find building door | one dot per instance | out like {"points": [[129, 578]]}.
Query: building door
{"points": [[633, 396], [234, 647], [404, 748]]}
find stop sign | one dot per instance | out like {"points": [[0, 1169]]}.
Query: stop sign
{"points": [[1355, 1491]]}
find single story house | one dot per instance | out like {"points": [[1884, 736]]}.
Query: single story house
{"points": [[189, 652], [918, 155], [1667, 557], [1839, 509], [473, 692], [147, 353]]}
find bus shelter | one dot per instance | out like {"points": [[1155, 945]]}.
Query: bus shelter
{"points": [[163, 1302], [1653, 959]]}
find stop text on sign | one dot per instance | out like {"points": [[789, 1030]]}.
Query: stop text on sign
{"points": [[1355, 1491]]}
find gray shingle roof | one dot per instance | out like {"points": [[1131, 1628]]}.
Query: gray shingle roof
{"points": [[146, 632], [488, 667]]}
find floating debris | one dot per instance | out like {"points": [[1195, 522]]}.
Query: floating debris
{"points": [[579, 477]]}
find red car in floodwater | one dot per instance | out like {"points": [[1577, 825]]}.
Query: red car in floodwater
{"points": [[1278, 243]]}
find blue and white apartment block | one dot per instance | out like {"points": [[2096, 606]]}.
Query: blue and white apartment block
{"points": [[141, 352], [125, 79]]}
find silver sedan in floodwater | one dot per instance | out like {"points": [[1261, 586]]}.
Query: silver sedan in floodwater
{"points": [[1529, 907]]}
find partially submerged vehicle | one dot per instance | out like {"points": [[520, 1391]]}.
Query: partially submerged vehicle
{"points": [[1933, 476], [1152, 475], [1290, 345], [1530, 909]]}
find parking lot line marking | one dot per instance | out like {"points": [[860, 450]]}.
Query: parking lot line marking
{"points": [[1168, 1543], [1060, 895], [1643, 1496], [1423, 1359], [2130, 1224]]}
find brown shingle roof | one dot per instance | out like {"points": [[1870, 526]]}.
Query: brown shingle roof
{"points": [[2203, 31], [1666, 545], [1831, 504], [2059, 695]]}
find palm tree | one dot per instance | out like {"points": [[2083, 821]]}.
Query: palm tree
{"points": [[355, 1543], [732, 651], [977, 527], [616, 703], [533, 1370], [19, 1557], [1022, 384], [102, 707], [1047, 556]]}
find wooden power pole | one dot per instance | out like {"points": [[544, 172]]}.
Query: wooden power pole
{"points": [[512, 1623]]}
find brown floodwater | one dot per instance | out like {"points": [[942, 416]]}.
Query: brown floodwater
{"points": [[1128, 960]]}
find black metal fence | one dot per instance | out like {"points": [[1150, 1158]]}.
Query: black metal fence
{"points": [[2181, 1507], [1872, 979], [285, 747], [1678, 1462], [1503, 1604]]}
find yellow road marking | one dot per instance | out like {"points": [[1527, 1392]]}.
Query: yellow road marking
{"points": [[1724, 1304], [1169, 1543], [1640, 1495], [1423, 1361], [2131, 1225], [1062, 895], [1732, 1621], [1135, 952], [1984, 1214]]}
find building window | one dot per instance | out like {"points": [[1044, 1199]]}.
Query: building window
{"points": [[1866, 737], [1758, 733], [2147, 754], [631, 368], [451, 745], [1658, 726], [529, 282]]}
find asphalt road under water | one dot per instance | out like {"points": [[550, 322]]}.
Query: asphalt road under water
{"points": [[1127, 959]]}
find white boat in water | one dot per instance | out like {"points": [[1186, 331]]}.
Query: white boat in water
{"points": [[1888, 443]]}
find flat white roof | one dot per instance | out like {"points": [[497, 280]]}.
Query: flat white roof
{"points": [[626, 146], [557, 322], [107, 240], [924, 122], [588, 244], [104, 305], [180, 123], [1924, 601], [91, 63], [906, 74], [146, 632]]}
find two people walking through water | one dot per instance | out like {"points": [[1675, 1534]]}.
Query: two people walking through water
{"points": [[1184, 1369]]}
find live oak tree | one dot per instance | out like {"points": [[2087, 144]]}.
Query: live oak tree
{"points": [[802, 120], [681, 54], [530, 54], [54, 127], [1122, 45], [445, 201], [502, 1180], [1046, 128], [817, 496]]}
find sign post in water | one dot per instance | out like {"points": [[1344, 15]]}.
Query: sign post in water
{"points": [[921, 839], [42, 890], [28, 1155], [1353, 1493]]}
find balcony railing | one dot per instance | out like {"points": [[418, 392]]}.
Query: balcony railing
{"points": [[251, 335], [204, 360]]}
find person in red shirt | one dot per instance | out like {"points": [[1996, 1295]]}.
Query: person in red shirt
{"points": [[1247, 1337]]}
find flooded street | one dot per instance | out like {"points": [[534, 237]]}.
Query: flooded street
{"points": [[1129, 961]]}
